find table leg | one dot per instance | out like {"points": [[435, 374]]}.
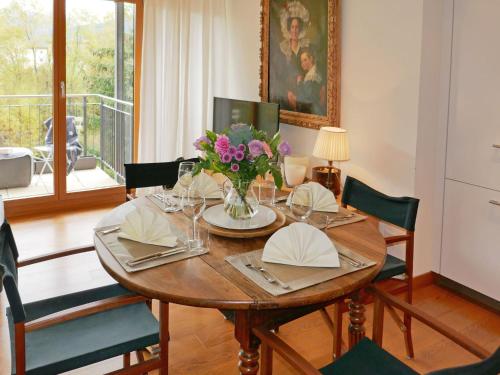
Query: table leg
{"points": [[164, 335], [249, 344], [357, 317]]}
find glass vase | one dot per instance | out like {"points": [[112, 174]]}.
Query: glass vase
{"points": [[240, 201]]}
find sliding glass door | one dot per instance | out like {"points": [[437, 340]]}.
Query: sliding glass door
{"points": [[100, 64], [69, 78], [26, 77]]}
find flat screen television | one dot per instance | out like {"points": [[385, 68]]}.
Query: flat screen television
{"points": [[263, 116]]}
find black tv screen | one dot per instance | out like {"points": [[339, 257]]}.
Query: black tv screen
{"points": [[263, 116]]}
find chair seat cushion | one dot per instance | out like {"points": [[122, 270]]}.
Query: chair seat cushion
{"points": [[393, 266], [367, 358], [80, 342]]}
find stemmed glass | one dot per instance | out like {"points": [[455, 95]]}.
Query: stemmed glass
{"points": [[193, 205], [185, 174], [301, 202]]}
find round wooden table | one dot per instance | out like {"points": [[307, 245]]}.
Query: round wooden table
{"points": [[209, 281]]}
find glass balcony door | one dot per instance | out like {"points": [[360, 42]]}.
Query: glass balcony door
{"points": [[26, 97], [100, 65]]}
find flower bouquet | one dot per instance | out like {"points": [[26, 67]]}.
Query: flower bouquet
{"points": [[241, 153]]}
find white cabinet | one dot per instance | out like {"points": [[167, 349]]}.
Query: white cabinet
{"points": [[470, 251], [474, 114], [471, 237]]}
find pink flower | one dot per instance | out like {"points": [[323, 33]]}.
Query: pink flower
{"points": [[239, 155], [226, 158], [200, 142], [241, 147], [267, 150], [232, 150], [284, 148], [235, 167], [255, 148], [222, 144]]}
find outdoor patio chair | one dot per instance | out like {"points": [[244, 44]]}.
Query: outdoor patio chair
{"points": [[74, 330], [73, 147], [368, 357]]}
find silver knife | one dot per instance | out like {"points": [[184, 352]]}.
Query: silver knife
{"points": [[159, 254]]}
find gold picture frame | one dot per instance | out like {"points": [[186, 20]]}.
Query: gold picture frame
{"points": [[298, 62]]}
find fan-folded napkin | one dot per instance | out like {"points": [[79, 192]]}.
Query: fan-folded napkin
{"points": [[323, 199], [147, 226], [301, 244], [206, 185]]}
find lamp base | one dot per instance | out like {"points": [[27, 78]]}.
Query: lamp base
{"points": [[320, 175]]}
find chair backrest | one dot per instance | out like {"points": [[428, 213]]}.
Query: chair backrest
{"points": [[140, 175], [488, 366], [8, 272], [401, 211], [71, 132]]}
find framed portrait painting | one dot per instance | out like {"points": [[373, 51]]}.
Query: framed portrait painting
{"points": [[300, 60]]}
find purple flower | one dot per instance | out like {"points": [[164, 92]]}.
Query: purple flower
{"points": [[241, 147], [235, 167], [240, 155], [222, 144], [284, 148], [200, 141], [226, 158], [232, 150], [255, 148]]}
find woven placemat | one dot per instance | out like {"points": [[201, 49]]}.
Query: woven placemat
{"points": [[124, 250], [296, 277], [155, 198], [319, 219]]}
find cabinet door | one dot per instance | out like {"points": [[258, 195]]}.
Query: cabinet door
{"points": [[474, 122], [471, 238]]}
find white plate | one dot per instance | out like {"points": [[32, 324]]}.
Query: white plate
{"points": [[216, 215]]}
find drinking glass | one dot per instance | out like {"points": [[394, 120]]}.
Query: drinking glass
{"points": [[185, 174], [266, 192], [301, 202], [170, 203], [193, 204]]}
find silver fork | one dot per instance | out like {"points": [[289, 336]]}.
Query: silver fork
{"points": [[249, 263]]}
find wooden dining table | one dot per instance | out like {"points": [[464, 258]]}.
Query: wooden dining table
{"points": [[208, 281]]}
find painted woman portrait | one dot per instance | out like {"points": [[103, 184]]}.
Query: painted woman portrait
{"points": [[297, 55]]}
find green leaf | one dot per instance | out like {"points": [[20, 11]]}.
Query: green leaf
{"points": [[278, 179], [211, 135], [197, 168]]}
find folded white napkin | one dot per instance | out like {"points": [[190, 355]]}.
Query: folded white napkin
{"points": [[147, 226], [206, 184], [323, 199], [2, 212], [301, 244]]}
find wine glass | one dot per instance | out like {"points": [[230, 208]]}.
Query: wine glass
{"points": [[185, 174], [301, 202], [193, 204]]}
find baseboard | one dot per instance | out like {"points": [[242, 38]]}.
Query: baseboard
{"points": [[467, 293]]}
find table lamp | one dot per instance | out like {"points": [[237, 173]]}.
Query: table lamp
{"points": [[331, 145]]}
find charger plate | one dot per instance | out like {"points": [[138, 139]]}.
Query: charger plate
{"points": [[279, 221]]}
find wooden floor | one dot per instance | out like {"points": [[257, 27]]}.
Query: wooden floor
{"points": [[201, 340]]}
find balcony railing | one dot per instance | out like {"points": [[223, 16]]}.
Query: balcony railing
{"points": [[104, 125]]}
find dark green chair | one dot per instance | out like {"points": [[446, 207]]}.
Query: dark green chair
{"points": [[141, 175], [367, 357], [71, 331], [400, 212]]}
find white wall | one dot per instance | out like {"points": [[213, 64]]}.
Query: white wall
{"points": [[391, 99]]}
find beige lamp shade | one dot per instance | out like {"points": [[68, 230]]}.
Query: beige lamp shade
{"points": [[332, 144]]}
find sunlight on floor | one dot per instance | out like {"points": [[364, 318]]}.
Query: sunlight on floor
{"points": [[79, 180]]}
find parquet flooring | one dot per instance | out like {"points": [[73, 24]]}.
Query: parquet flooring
{"points": [[201, 340]]}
